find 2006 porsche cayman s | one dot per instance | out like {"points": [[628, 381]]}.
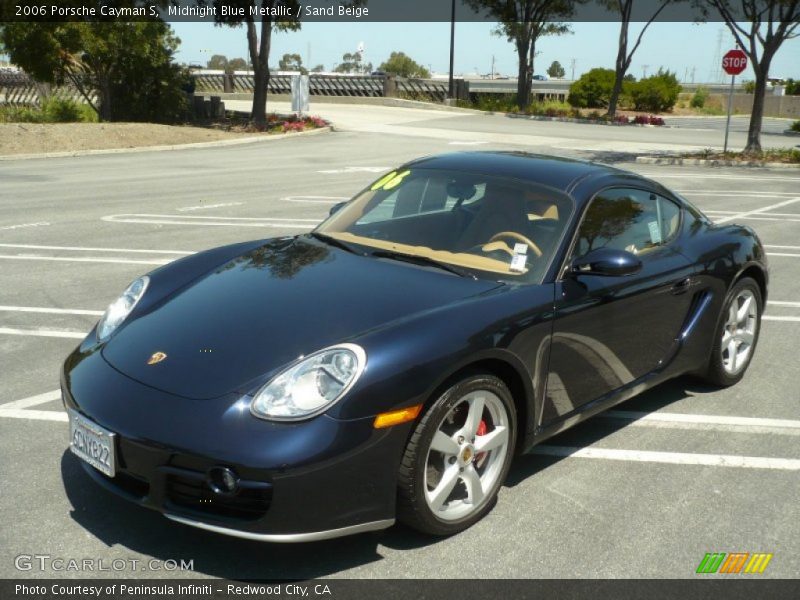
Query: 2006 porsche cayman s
{"points": [[390, 363]]}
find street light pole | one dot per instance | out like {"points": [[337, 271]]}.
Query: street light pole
{"points": [[450, 88]]}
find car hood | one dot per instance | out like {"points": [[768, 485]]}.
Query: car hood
{"points": [[239, 323]]}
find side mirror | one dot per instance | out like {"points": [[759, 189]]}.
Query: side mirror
{"points": [[335, 208], [606, 261]]}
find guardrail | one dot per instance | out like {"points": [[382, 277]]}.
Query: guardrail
{"points": [[373, 86], [19, 89]]}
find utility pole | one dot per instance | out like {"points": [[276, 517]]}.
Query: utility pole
{"points": [[644, 71], [492, 75], [573, 69], [693, 70], [451, 86]]}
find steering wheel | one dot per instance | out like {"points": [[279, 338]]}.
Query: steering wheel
{"points": [[516, 237]]}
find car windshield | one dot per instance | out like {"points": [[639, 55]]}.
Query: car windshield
{"points": [[490, 227]]}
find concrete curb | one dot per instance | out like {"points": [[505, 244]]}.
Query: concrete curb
{"points": [[191, 146], [701, 162]]}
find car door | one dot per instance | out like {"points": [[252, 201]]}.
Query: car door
{"points": [[611, 330]]}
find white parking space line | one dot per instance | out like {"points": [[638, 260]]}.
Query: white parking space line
{"points": [[782, 247], [705, 176], [18, 408], [52, 311], [24, 225], [32, 401], [207, 206], [85, 249], [196, 220], [782, 254], [467, 143], [43, 333], [707, 422], [779, 318], [36, 415], [87, 259], [747, 194], [782, 303], [733, 212], [758, 211], [315, 199], [355, 170], [674, 458]]}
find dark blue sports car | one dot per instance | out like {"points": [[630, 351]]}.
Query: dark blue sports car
{"points": [[390, 363]]}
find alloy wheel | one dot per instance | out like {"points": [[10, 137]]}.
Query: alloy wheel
{"points": [[466, 456]]}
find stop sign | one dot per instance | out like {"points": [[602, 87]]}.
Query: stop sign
{"points": [[734, 62]]}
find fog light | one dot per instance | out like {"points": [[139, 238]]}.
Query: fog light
{"points": [[222, 480]]}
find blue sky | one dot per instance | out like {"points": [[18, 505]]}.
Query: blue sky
{"points": [[680, 47]]}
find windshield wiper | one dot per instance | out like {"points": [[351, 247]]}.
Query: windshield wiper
{"points": [[332, 241], [422, 260]]}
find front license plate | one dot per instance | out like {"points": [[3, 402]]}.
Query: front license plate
{"points": [[92, 443]]}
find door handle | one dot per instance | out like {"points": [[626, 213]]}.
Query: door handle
{"points": [[682, 286]]}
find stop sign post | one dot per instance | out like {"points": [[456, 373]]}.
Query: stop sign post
{"points": [[733, 63]]}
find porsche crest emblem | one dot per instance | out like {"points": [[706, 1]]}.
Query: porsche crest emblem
{"points": [[156, 358]]}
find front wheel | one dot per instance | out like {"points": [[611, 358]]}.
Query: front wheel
{"points": [[458, 457], [737, 334]]}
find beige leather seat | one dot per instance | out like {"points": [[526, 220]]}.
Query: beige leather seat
{"points": [[502, 209]]}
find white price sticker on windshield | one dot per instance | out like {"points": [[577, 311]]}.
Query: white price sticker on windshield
{"points": [[518, 263], [655, 232], [520, 248]]}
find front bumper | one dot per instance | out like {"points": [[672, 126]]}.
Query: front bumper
{"points": [[297, 481]]}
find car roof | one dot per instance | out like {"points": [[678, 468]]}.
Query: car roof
{"points": [[553, 171]]}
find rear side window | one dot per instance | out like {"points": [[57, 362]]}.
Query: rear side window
{"points": [[628, 219]]}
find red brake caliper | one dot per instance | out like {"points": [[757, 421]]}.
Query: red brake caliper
{"points": [[481, 431]]}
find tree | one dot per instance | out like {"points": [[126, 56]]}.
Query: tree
{"points": [[625, 9], [593, 89], [759, 27], [351, 63], [402, 65], [523, 22], [318, 69], [124, 70], [291, 62], [556, 71], [259, 38], [218, 62], [236, 64]]}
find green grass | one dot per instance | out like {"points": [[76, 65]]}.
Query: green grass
{"points": [[52, 110]]}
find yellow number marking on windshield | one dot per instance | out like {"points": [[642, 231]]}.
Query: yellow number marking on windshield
{"points": [[382, 181], [396, 181]]}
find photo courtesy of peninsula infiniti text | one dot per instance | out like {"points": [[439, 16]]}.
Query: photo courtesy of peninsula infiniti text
{"points": [[388, 365]]}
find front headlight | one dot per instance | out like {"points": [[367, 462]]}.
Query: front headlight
{"points": [[310, 386], [119, 310]]}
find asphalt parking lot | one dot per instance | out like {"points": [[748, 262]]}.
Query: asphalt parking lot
{"points": [[643, 491]]}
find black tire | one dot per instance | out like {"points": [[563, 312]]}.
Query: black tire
{"points": [[412, 507], [716, 373]]}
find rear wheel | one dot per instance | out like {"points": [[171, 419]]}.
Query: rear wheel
{"points": [[458, 457], [737, 334]]}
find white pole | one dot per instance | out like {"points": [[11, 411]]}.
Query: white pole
{"points": [[730, 106]]}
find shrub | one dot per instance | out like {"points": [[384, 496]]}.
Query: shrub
{"points": [[497, 102], [648, 120], [699, 98], [593, 89], [657, 93], [795, 126], [749, 86], [792, 87], [293, 126], [62, 110]]}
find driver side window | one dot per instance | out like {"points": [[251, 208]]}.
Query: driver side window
{"points": [[627, 219]]}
